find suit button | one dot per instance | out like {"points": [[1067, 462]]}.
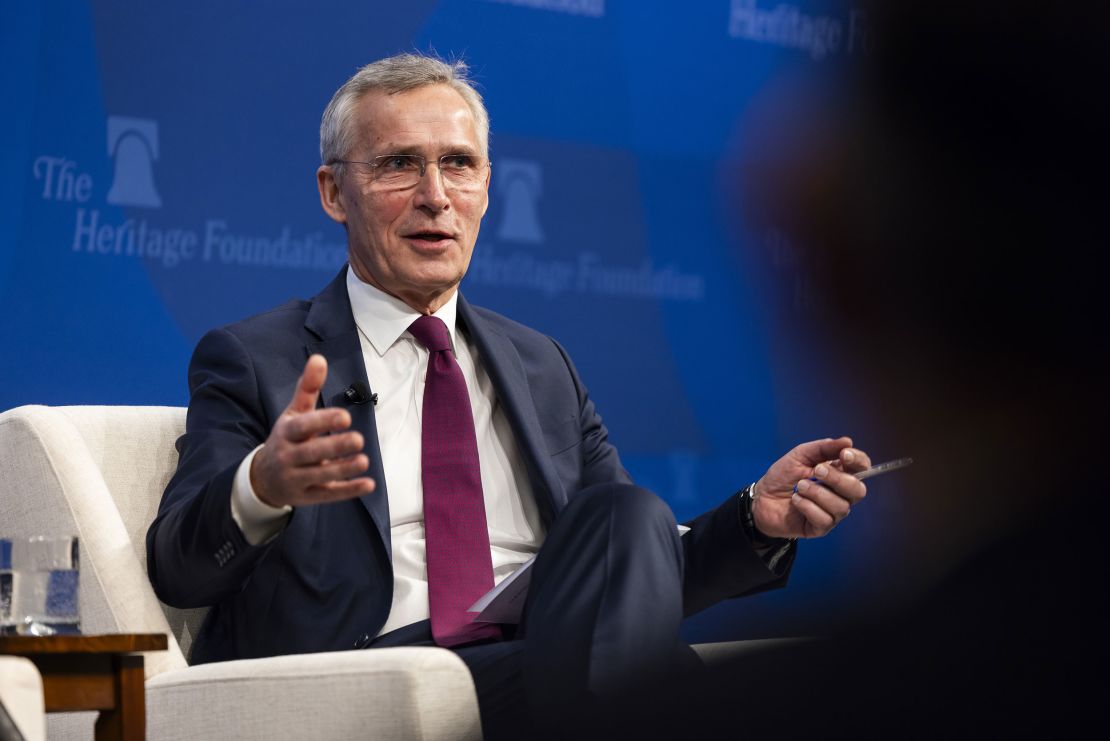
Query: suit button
{"points": [[363, 640]]}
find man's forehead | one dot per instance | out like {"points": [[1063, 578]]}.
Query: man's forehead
{"points": [[432, 115]]}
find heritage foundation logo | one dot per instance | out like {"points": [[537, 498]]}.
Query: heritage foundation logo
{"points": [[133, 144], [789, 27], [520, 185]]}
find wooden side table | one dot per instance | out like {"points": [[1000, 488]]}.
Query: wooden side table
{"points": [[97, 672]]}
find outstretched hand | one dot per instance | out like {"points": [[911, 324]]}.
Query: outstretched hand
{"points": [[309, 457], [814, 507]]}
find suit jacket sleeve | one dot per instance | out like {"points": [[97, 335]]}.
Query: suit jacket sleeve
{"points": [[196, 553], [722, 563]]}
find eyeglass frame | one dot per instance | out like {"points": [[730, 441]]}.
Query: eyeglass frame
{"points": [[418, 158]]}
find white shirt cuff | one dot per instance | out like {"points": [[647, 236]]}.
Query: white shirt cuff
{"points": [[259, 521]]}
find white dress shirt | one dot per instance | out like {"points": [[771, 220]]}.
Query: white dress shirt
{"points": [[395, 367]]}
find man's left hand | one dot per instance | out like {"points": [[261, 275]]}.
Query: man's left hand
{"points": [[789, 505]]}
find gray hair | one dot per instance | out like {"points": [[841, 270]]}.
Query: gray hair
{"points": [[394, 75]]}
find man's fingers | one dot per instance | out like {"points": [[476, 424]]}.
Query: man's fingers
{"points": [[308, 385], [839, 483], [317, 422], [822, 450], [854, 460], [819, 520], [279, 482], [325, 448], [335, 491], [827, 499], [328, 471]]}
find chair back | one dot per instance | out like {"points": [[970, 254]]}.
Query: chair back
{"points": [[135, 449]]}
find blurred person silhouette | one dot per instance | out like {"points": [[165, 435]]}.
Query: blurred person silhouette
{"points": [[947, 209]]}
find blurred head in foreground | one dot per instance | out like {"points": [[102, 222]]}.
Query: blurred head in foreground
{"points": [[947, 208]]}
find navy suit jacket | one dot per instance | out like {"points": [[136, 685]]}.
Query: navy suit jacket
{"points": [[325, 582]]}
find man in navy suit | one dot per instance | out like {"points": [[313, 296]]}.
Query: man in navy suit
{"points": [[297, 511]]}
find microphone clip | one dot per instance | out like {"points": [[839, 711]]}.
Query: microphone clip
{"points": [[359, 393]]}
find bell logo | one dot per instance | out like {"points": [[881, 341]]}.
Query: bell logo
{"points": [[133, 142], [519, 183]]}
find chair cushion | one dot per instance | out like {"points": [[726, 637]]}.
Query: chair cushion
{"points": [[386, 693]]}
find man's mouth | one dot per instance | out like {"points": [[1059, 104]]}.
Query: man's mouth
{"points": [[429, 236]]}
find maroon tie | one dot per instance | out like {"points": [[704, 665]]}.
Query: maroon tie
{"points": [[460, 568]]}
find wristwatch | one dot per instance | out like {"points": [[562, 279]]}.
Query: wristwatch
{"points": [[771, 550]]}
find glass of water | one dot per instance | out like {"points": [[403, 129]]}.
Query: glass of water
{"points": [[39, 585]]}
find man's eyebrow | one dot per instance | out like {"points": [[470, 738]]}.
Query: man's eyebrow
{"points": [[398, 149], [414, 149]]}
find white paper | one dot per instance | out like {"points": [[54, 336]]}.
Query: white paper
{"points": [[505, 602]]}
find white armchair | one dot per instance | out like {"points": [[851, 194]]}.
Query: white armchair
{"points": [[99, 472]]}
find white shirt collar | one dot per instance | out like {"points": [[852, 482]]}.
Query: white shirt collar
{"points": [[383, 319]]}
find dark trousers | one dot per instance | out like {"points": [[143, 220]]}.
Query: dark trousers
{"points": [[600, 624]]}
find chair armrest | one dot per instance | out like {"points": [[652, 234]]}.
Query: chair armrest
{"points": [[715, 654], [399, 693], [21, 696]]}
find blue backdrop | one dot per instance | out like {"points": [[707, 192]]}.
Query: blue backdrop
{"points": [[158, 180]]}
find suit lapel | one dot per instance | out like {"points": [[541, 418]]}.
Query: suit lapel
{"points": [[330, 319], [510, 380]]}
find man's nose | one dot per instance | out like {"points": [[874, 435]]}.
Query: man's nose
{"points": [[430, 192]]}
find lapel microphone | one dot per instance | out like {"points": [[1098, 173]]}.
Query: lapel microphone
{"points": [[359, 393]]}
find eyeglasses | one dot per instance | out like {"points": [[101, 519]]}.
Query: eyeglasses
{"points": [[459, 171]]}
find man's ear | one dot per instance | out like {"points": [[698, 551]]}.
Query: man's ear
{"points": [[330, 197], [489, 175]]}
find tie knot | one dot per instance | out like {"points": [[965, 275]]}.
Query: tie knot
{"points": [[432, 333]]}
